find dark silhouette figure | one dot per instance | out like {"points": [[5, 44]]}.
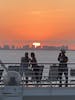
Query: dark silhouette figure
{"points": [[34, 67], [24, 65], [63, 59]]}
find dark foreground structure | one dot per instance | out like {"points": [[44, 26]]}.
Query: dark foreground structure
{"points": [[22, 93], [13, 84]]}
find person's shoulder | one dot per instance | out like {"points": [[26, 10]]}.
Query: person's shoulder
{"points": [[35, 60], [66, 58], [22, 58]]}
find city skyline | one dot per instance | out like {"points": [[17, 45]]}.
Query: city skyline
{"points": [[21, 43], [33, 46]]}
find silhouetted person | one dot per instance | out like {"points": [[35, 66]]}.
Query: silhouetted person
{"points": [[24, 64], [35, 67], [63, 59]]}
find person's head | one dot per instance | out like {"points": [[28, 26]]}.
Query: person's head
{"points": [[32, 54], [26, 54], [63, 51]]}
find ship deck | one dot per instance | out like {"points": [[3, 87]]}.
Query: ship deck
{"points": [[30, 93]]}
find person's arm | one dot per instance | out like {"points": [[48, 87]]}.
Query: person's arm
{"points": [[22, 60], [66, 59], [59, 57]]}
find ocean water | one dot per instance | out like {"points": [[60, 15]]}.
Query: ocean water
{"points": [[42, 56]]}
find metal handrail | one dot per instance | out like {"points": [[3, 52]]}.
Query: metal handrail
{"points": [[45, 81], [38, 63]]}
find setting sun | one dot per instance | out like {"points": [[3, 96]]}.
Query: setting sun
{"points": [[37, 20], [36, 44]]}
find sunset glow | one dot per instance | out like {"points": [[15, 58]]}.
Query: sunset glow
{"points": [[36, 44], [38, 20]]}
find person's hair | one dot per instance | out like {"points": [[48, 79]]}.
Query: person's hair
{"points": [[63, 51], [32, 54], [26, 53]]}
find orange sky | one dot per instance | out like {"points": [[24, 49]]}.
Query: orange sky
{"points": [[46, 20]]}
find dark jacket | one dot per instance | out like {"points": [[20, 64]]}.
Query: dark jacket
{"points": [[62, 58]]}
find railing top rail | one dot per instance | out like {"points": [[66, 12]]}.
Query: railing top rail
{"points": [[72, 63], [38, 63]]}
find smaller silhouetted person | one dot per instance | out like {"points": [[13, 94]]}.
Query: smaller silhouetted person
{"points": [[34, 67], [63, 59], [25, 64]]}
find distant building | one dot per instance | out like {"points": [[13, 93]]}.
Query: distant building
{"points": [[26, 47], [33, 47], [50, 47], [12, 47], [0, 47], [38, 47], [6, 47]]}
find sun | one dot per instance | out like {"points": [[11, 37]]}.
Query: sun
{"points": [[36, 44]]}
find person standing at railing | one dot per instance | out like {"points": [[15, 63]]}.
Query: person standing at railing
{"points": [[24, 65], [63, 59], [34, 67]]}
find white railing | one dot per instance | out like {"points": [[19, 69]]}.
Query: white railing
{"points": [[46, 74]]}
